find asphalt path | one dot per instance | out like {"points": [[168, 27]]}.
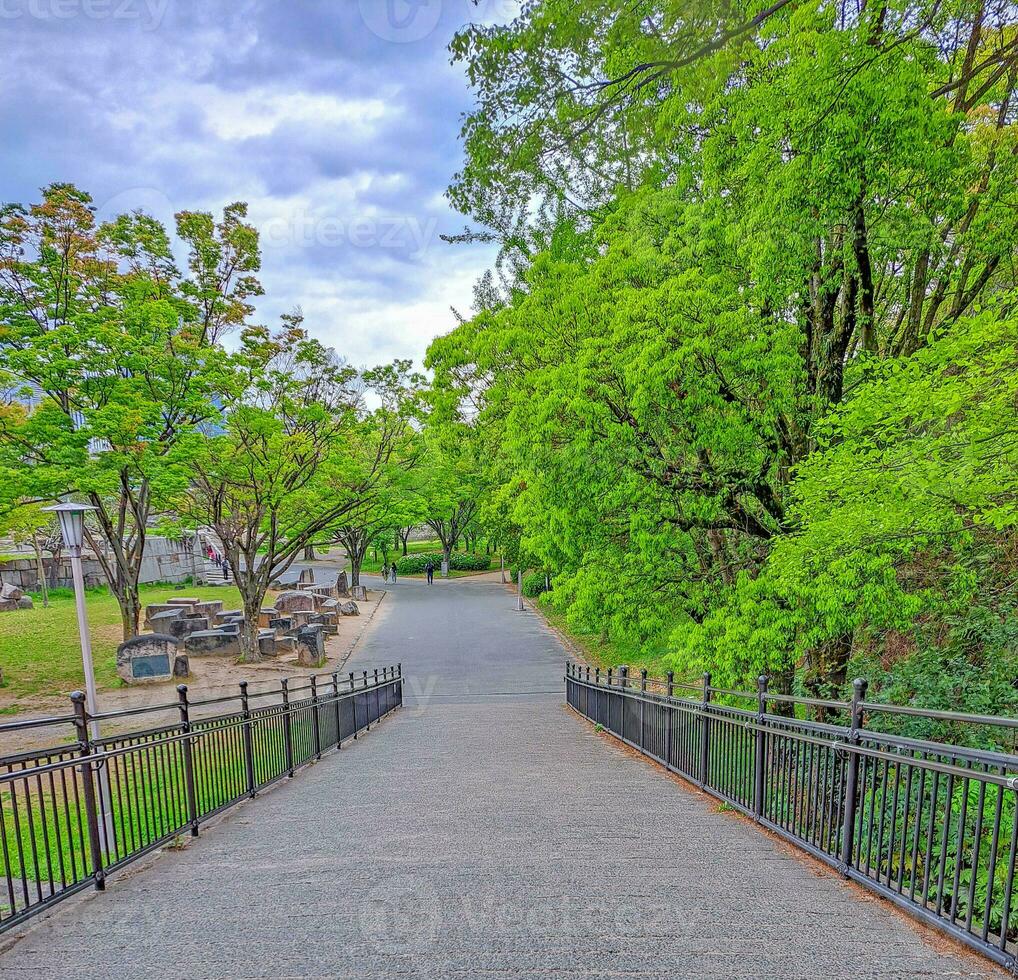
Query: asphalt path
{"points": [[481, 831]]}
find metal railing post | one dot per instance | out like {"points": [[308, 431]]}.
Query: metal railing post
{"points": [[187, 750], [88, 780], [318, 717], [245, 709], [335, 695], [624, 681], [378, 695], [759, 770], [669, 717], [353, 704], [399, 684], [288, 729], [852, 780], [367, 711], [643, 708], [705, 731]]}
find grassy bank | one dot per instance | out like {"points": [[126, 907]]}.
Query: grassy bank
{"points": [[602, 652]]}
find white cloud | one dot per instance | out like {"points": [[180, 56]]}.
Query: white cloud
{"points": [[260, 111]]}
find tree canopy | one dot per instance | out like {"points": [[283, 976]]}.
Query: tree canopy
{"points": [[740, 382]]}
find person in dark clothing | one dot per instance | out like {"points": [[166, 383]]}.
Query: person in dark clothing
{"points": [[392, 573], [226, 570], [430, 569]]}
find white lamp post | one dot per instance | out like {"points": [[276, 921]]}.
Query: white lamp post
{"points": [[72, 530]]}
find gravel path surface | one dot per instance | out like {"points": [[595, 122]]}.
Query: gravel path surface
{"points": [[483, 831]]}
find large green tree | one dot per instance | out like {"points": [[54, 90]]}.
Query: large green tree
{"points": [[115, 352], [296, 457], [720, 222]]}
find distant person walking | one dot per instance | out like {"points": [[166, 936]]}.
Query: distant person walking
{"points": [[430, 569], [385, 572], [226, 569], [392, 572]]}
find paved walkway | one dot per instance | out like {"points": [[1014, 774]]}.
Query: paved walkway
{"points": [[484, 831]]}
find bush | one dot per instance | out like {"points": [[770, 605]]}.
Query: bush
{"points": [[534, 585], [458, 562]]}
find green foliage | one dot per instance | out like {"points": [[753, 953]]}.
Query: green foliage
{"points": [[458, 562], [745, 381], [534, 585], [904, 513], [116, 351]]}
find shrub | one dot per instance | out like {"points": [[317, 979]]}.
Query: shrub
{"points": [[458, 562], [534, 584], [471, 563]]}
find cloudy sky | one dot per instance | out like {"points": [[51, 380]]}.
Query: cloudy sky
{"points": [[336, 120]]}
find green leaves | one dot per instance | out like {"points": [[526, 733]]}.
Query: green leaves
{"points": [[738, 388], [114, 350]]}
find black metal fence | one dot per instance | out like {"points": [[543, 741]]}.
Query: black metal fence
{"points": [[72, 814], [930, 826]]}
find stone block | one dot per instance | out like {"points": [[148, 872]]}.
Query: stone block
{"points": [[359, 592], [148, 658], [294, 601], [184, 626], [212, 643], [160, 622], [265, 616], [209, 609], [328, 624], [182, 601], [310, 647], [25, 602], [155, 608], [267, 643], [9, 592], [281, 624], [342, 584], [307, 576], [181, 666], [349, 608]]}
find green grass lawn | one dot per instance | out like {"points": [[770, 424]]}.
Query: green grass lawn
{"points": [[39, 648]]}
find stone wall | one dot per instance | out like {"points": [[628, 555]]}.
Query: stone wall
{"points": [[164, 561]]}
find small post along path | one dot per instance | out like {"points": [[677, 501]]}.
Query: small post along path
{"points": [[486, 831]]}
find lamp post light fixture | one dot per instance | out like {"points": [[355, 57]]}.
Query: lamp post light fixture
{"points": [[72, 530]]}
